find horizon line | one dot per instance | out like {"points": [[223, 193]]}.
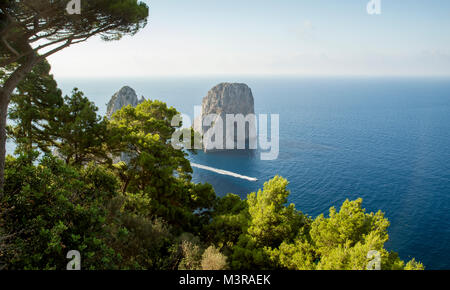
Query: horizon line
{"points": [[256, 75]]}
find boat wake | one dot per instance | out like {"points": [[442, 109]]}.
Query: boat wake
{"points": [[223, 172]]}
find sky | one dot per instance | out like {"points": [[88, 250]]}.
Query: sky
{"points": [[278, 37]]}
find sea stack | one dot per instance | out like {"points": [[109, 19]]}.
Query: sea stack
{"points": [[124, 97], [222, 100]]}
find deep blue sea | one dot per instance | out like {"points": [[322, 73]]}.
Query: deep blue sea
{"points": [[386, 140]]}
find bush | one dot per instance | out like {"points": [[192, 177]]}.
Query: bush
{"points": [[50, 209], [212, 259], [191, 252]]}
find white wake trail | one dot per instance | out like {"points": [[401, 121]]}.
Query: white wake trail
{"points": [[223, 172]]}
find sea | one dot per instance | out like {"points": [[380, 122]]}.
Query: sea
{"points": [[384, 139]]}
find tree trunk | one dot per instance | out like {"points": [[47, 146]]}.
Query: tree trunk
{"points": [[3, 115], [5, 96]]}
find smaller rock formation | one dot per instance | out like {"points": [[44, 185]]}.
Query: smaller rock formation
{"points": [[124, 97]]}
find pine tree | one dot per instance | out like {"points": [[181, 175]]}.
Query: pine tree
{"points": [[35, 102], [78, 132], [32, 30], [157, 169]]}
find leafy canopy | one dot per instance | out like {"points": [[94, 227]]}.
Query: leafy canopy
{"points": [[43, 27]]}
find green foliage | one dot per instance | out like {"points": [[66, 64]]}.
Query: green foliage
{"points": [[33, 30], [43, 120], [247, 255], [155, 168], [141, 242], [229, 220], [55, 209], [146, 133], [342, 242], [414, 265], [271, 222], [32, 106], [344, 239], [278, 236], [79, 134], [347, 227], [299, 255], [110, 19]]}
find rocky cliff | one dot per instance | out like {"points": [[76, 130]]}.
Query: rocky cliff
{"points": [[223, 99], [124, 97]]}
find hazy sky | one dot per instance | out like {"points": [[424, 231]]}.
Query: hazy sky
{"points": [[304, 37]]}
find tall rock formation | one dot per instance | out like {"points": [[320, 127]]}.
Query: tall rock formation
{"points": [[224, 99], [124, 97]]}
